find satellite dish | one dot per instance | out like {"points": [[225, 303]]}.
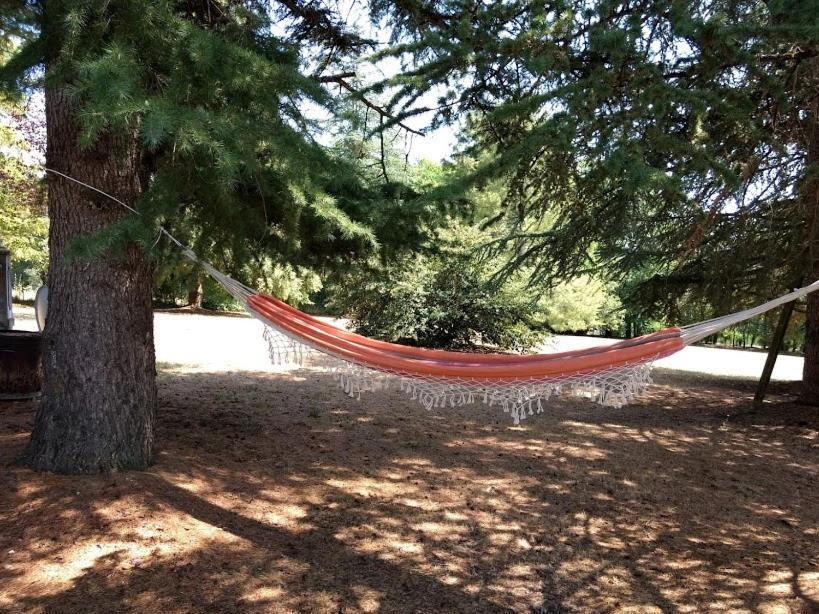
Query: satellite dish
{"points": [[41, 306]]}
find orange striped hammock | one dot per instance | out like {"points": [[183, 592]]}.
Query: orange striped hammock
{"points": [[520, 384], [611, 375]]}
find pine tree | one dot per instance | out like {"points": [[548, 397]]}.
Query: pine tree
{"points": [[182, 110], [673, 139]]}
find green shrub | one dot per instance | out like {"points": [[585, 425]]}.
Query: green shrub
{"points": [[441, 299]]}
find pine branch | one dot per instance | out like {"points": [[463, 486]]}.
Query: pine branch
{"points": [[341, 79], [321, 25]]}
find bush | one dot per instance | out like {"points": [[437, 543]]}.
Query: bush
{"points": [[441, 299]]}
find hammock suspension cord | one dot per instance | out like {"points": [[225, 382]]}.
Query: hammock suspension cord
{"points": [[609, 375]]}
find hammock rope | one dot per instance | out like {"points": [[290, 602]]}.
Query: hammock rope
{"points": [[611, 375]]}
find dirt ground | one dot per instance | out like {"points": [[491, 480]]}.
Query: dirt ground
{"points": [[274, 492]]}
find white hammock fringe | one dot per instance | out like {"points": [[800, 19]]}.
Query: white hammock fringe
{"points": [[519, 398]]}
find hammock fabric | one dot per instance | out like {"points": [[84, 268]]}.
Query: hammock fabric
{"points": [[611, 375]]}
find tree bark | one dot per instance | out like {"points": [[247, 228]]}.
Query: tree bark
{"points": [[777, 340], [196, 293], [810, 197], [99, 376]]}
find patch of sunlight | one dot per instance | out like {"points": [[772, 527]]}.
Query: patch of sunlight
{"points": [[439, 529], [367, 487], [779, 589], [771, 512], [455, 516], [578, 566], [427, 506], [774, 607], [405, 546], [808, 583], [194, 485], [519, 570], [453, 566], [48, 578], [393, 475], [558, 488], [611, 543], [263, 594], [773, 577], [500, 539], [583, 452], [685, 565], [369, 600], [413, 461], [495, 443], [286, 515], [506, 526]]}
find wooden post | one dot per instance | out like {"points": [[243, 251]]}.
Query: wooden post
{"points": [[6, 316], [773, 353]]}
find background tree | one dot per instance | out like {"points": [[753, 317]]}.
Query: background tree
{"points": [[431, 283], [23, 220], [676, 139]]}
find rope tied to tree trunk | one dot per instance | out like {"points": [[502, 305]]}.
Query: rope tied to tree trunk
{"points": [[610, 375]]}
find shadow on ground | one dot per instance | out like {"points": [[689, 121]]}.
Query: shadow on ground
{"points": [[275, 492]]}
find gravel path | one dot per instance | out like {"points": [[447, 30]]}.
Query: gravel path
{"points": [[216, 343]]}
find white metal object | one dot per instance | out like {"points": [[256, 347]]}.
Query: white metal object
{"points": [[41, 306]]}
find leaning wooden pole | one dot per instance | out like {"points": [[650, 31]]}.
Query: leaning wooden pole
{"points": [[773, 353]]}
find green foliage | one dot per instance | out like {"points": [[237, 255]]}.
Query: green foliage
{"points": [[582, 304], [443, 298], [217, 100], [667, 138], [23, 223]]}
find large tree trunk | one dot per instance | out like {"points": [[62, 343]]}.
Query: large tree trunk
{"points": [[810, 198], [99, 389]]}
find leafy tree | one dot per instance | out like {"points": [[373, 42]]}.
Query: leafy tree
{"points": [[23, 223], [581, 304], [677, 139]]}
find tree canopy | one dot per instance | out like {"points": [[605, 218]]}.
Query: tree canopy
{"points": [[664, 138], [228, 155], [662, 144]]}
